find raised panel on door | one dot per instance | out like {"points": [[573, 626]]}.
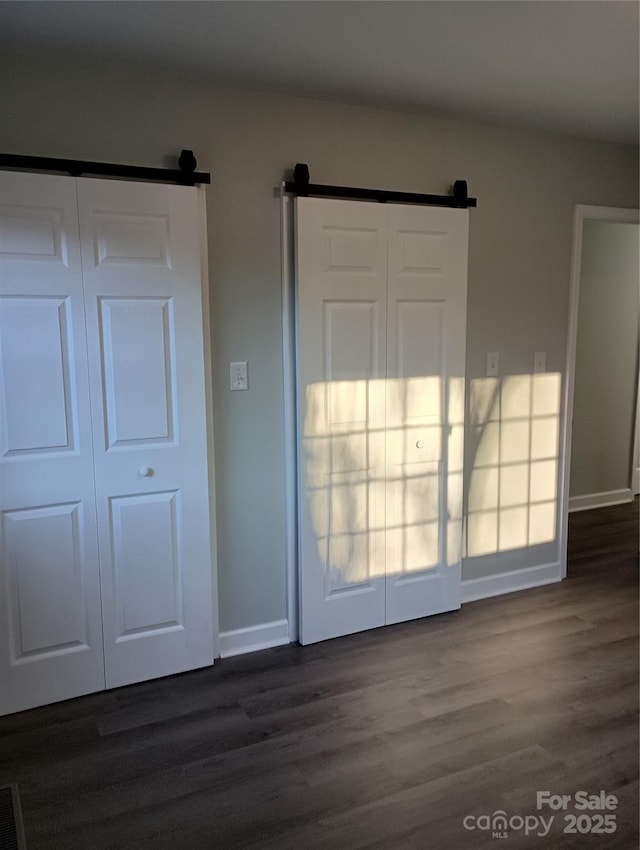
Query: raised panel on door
{"points": [[138, 370], [140, 250], [44, 555], [50, 620], [424, 409], [341, 332], [147, 554]]}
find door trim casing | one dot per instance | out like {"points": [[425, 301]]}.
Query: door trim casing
{"points": [[208, 400], [289, 430], [582, 213]]}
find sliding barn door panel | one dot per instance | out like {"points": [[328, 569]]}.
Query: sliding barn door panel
{"points": [[50, 620], [342, 258], [105, 564], [424, 414], [142, 280], [381, 309]]}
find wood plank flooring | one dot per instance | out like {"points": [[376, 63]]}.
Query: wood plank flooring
{"points": [[385, 739]]}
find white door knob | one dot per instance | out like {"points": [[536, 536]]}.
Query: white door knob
{"points": [[145, 472], [419, 444]]}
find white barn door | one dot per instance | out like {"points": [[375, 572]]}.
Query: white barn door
{"points": [[381, 315], [105, 570], [50, 619], [426, 321], [141, 265], [341, 331]]}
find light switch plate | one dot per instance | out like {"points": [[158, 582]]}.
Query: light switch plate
{"points": [[493, 364], [238, 377]]}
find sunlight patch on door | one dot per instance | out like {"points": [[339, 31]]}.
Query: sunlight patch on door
{"points": [[374, 475], [374, 453]]}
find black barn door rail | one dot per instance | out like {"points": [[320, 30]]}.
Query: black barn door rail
{"points": [[185, 174], [300, 185]]}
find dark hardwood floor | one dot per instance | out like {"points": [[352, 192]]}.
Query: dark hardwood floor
{"points": [[386, 739]]}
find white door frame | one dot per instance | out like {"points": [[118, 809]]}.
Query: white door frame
{"points": [[635, 468], [208, 400], [289, 431], [582, 213]]}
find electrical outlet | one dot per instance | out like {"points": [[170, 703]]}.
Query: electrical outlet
{"points": [[493, 364], [238, 378], [540, 362]]}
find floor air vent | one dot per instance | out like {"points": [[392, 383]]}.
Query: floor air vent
{"points": [[11, 833]]}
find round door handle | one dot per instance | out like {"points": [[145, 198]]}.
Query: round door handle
{"points": [[420, 444], [145, 472]]}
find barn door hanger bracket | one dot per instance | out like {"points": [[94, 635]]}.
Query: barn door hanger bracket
{"points": [[301, 186]]}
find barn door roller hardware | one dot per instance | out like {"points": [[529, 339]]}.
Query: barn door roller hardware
{"points": [[300, 185], [185, 174]]}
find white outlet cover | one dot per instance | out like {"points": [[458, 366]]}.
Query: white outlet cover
{"points": [[238, 377], [540, 362]]}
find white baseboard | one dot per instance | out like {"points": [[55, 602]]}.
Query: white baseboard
{"points": [[253, 638], [482, 588], [599, 500], [276, 633]]}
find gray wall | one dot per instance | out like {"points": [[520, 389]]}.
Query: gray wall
{"points": [[606, 358], [527, 184]]}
